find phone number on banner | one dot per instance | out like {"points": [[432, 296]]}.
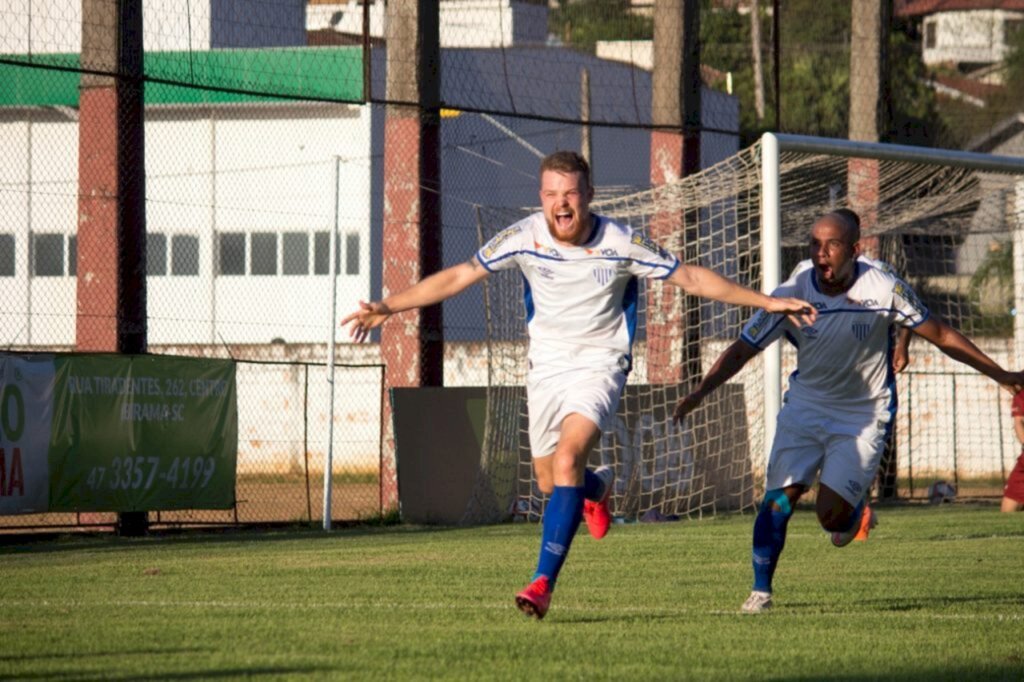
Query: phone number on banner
{"points": [[133, 473]]}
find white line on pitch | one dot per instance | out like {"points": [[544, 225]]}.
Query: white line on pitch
{"points": [[433, 606]]}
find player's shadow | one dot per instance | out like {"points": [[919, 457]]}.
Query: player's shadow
{"points": [[903, 604], [50, 542]]}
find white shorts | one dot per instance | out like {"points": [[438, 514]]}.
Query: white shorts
{"points": [[842, 450], [550, 398]]}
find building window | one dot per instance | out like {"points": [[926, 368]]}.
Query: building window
{"points": [[156, 254], [184, 255], [295, 253], [263, 259], [73, 256], [930, 29], [48, 255], [6, 255], [1011, 29], [352, 254], [231, 253], [321, 247]]}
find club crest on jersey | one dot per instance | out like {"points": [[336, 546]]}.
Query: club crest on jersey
{"points": [[641, 240], [603, 275], [860, 330]]}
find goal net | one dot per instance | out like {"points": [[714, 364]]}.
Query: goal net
{"points": [[947, 223]]}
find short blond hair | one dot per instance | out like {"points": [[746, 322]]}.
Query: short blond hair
{"points": [[566, 161]]}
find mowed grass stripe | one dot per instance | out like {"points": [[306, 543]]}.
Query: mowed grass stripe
{"points": [[934, 594]]}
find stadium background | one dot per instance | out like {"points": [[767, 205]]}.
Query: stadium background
{"points": [[268, 123]]}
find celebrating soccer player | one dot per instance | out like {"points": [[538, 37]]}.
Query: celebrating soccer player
{"points": [[580, 273], [841, 400]]}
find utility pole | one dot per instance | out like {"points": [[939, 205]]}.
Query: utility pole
{"points": [[755, 47], [870, 121], [673, 319], [412, 349], [111, 285]]}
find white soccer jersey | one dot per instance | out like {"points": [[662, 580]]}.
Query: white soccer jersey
{"points": [[844, 359], [581, 302]]}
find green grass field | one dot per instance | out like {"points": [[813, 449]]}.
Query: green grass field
{"points": [[936, 593]]}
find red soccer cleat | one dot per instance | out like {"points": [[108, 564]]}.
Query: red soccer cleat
{"points": [[597, 514], [535, 599]]}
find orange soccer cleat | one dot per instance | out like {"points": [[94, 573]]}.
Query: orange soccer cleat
{"points": [[868, 520]]}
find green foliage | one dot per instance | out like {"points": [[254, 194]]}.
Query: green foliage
{"points": [[991, 292], [815, 64], [581, 24], [931, 596]]}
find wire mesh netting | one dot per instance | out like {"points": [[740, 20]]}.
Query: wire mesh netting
{"points": [[949, 232], [238, 140]]}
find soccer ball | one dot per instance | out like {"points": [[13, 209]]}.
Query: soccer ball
{"points": [[940, 492]]}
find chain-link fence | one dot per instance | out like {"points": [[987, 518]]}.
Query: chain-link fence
{"points": [[176, 171]]}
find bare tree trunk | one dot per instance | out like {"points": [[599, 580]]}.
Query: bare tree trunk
{"points": [[755, 45]]}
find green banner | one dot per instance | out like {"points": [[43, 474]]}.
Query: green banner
{"points": [[127, 433]]}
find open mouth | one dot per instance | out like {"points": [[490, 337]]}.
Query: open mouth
{"points": [[563, 220]]}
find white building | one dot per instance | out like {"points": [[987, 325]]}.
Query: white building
{"points": [[463, 23], [54, 26], [969, 32]]}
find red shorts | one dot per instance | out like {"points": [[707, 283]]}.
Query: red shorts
{"points": [[1015, 483]]}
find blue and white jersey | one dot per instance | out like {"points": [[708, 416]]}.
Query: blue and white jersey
{"points": [[581, 301], [844, 359]]}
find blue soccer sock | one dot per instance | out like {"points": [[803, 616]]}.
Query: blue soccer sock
{"points": [[854, 517], [593, 486], [770, 537], [561, 520]]}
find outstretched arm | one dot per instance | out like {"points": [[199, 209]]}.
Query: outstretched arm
{"points": [[700, 281], [960, 348], [433, 289], [731, 361]]}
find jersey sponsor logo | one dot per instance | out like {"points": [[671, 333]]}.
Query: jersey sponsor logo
{"points": [[641, 240], [497, 240], [860, 330], [547, 251], [902, 290], [758, 324], [866, 303], [603, 275]]}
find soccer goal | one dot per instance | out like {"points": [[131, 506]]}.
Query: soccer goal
{"points": [[950, 223]]}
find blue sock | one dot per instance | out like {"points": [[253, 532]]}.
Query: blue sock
{"points": [[561, 519], [593, 486], [770, 537]]}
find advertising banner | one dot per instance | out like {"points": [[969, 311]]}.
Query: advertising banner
{"points": [[118, 433]]}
